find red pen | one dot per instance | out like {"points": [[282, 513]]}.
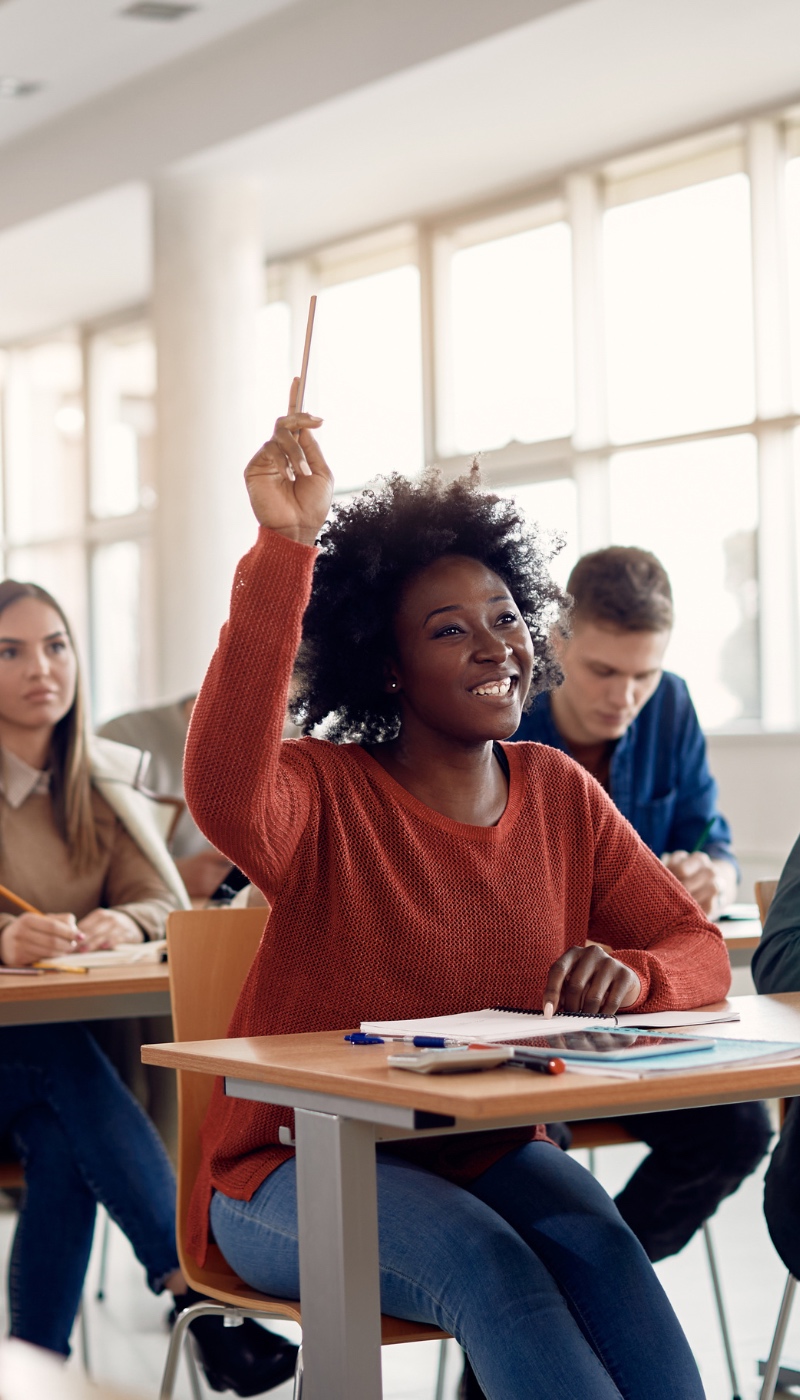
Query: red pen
{"points": [[541, 1064]]}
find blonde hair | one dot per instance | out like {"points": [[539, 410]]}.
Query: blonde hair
{"points": [[71, 780]]}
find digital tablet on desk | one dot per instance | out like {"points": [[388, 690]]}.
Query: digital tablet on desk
{"points": [[607, 1045]]}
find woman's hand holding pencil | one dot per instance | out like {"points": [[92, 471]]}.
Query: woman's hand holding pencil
{"points": [[34, 935]]}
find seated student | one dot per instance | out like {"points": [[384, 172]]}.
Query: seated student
{"points": [[776, 968], [416, 864], [632, 725], [160, 730], [74, 833]]}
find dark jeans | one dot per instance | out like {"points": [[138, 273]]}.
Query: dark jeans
{"points": [[782, 1191], [699, 1156], [83, 1138]]}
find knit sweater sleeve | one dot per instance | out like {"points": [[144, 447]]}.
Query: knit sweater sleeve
{"points": [[644, 914], [244, 796]]}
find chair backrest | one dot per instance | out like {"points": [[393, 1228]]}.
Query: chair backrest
{"points": [[210, 952], [765, 893]]}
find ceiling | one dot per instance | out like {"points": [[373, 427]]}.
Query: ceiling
{"points": [[79, 50], [351, 113]]}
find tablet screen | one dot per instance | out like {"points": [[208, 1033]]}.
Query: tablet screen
{"points": [[610, 1044]]}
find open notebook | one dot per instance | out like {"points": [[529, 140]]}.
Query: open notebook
{"points": [[495, 1024], [123, 956]]}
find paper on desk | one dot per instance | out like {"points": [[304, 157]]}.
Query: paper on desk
{"points": [[489, 1024], [494, 1025], [123, 956], [671, 1020]]}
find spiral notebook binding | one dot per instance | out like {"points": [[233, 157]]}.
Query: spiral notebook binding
{"points": [[526, 1011]]}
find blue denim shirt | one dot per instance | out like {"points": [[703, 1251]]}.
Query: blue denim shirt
{"points": [[659, 776]]}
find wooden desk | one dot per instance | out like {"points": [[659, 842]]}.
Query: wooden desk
{"points": [[346, 1099], [742, 937], [103, 994]]}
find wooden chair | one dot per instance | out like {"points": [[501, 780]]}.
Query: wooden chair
{"points": [[771, 1369], [210, 952], [765, 893]]}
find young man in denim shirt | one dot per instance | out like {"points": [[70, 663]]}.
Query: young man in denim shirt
{"points": [[634, 727]]}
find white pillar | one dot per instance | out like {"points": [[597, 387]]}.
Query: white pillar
{"points": [[207, 287]]}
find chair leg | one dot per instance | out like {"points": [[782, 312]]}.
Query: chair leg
{"points": [[721, 1313], [84, 1334], [774, 1358], [191, 1367], [101, 1281], [297, 1389], [441, 1369], [173, 1355]]}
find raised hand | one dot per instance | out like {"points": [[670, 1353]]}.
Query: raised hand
{"points": [[288, 480]]}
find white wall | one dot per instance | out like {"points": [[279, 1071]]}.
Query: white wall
{"points": [[759, 783]]}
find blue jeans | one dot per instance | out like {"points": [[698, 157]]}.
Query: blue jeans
{"points": [[83, 1138], [531, 1268]]}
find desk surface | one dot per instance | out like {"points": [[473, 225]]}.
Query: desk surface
{"points": [[100, 995], [322, 1064]]}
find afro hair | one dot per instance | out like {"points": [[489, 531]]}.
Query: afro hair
{"points": [[370, 548]]}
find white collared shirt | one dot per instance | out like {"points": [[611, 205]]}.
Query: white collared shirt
{"points": [[19, 781]]}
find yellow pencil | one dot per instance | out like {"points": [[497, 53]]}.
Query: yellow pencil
{"points": [[18, 900], [45, 965]]}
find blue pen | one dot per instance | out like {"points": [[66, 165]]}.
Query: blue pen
{"points": [[422, 1042]]}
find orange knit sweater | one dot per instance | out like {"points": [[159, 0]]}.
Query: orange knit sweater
{"points": [[382, 907]]}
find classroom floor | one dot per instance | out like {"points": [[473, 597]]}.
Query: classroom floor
{"points": [[128, 1339]]}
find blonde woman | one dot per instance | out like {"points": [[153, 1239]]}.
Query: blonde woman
{"points": [[77, 843]]}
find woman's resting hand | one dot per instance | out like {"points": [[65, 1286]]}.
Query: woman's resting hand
{"points": [[289, 482], [589, 980], [33, 936], [106, 928]]}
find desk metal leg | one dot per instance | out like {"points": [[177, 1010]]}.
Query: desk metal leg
{"points": [[337, 1205]]}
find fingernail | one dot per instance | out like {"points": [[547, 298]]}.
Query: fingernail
{"points": [[305, 468], [548, 1009]]}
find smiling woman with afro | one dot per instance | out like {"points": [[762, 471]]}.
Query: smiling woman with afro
{"points": [[419, 865]]}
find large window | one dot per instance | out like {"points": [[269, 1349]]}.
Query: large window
{"points": [[621, 347], [679, 311], [511, 339], [78, 494]]}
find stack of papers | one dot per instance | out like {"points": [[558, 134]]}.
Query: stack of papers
{"points": [[724, 1054]]}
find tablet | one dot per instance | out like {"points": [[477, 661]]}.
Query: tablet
{"points": [[608, 1044]]}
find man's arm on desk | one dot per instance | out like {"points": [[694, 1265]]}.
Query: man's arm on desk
{"points": [[776, 960]]}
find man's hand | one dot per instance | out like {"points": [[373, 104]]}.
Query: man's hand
{"points": [[34, 936], [202, 873], [107, 928], [289, 482], [590, 981], [699, 875]]}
